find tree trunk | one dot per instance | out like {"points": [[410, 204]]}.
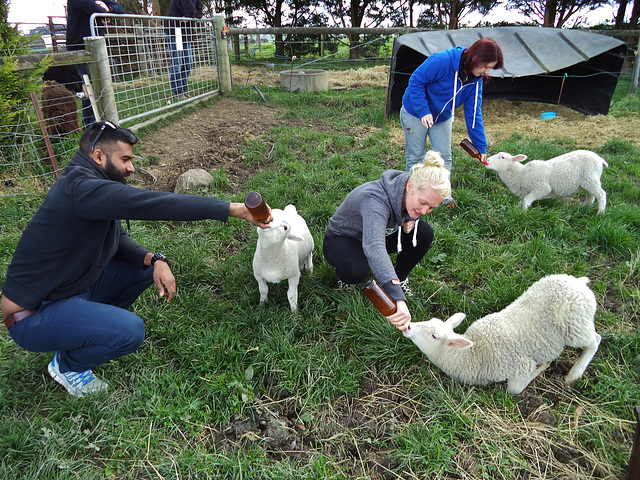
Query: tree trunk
{"points": [[622, 8], [410, 13], [633, 23], [453, 15], [550, 10]]}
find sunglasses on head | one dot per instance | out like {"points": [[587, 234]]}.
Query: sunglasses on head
{"points": [[105, 124]]}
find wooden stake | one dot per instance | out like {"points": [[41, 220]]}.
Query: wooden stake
{"points": [[47, 140]]}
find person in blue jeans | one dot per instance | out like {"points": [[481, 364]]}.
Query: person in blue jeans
{"points": [[75, 272], [78, 15], [444, 81], [179, 35]]}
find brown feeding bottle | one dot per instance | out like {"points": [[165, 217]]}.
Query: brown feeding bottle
{"points": [[471, 149], [256, 206], [380, 299]]}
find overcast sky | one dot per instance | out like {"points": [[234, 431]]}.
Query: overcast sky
{"points": [[36, 12]]}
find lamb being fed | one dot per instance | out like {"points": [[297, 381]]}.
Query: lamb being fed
{"points": [[558, 177], [517, 343], [282, 252]]}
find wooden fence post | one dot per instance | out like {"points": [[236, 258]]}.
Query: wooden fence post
{"points": [[101, 78], [222, 54]]}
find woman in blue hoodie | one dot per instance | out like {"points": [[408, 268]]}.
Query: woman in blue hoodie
{"points": [[455, 74]]}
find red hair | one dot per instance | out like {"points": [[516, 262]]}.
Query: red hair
{"points": [[485, 50]]}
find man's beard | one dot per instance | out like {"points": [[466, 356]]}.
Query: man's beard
{"points": [[113, 173]]}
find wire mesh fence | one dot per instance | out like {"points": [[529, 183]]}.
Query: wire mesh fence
{"points": [[157, 62]]}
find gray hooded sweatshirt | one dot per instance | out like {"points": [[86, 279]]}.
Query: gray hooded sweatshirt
{"points": [[367, 214]]}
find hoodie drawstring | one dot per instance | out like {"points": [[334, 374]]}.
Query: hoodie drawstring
{"points": [[414, 242], [475, 105]]}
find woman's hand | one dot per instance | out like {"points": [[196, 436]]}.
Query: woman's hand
{"points": [[427, 120], [402, 318], [408, 226]]}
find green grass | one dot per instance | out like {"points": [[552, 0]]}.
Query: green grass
{"points": [[359, 399]]}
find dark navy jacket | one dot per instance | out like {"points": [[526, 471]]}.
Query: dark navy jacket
{"points": [[77, 231], [78, 14]]}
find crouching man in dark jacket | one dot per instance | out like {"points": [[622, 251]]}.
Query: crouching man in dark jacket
{"points": [[75, 272]]}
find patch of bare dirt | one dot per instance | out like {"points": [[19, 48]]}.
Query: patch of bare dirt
{"points": [[209, 139]]}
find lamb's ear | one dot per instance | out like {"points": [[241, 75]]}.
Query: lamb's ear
{"points": [[519, 158], [455, 319], [456, 341], [294, 238]]}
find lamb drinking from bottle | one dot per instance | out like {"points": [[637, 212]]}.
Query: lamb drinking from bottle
{"points": [[517, 343]]}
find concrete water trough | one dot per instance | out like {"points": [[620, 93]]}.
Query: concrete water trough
{"points": [[305, 80]]}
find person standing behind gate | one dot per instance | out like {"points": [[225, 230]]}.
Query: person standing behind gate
{"points": [[78, 15], [444, 81], [179, 37]]}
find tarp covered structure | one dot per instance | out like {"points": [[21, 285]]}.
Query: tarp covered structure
{"points": [[575, 68]]}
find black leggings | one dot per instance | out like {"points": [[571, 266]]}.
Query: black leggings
{"points": [[347, 256]]}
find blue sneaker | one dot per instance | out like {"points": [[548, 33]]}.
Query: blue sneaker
{"points": [[77, 383]]}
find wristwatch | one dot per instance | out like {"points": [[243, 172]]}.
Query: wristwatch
{"points": [[159, 256]]}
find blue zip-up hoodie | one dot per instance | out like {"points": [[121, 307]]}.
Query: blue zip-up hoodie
{"points": [[434, 85]]}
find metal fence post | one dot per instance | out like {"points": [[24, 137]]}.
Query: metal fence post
{"points": [[101, 78], [224, 62]]}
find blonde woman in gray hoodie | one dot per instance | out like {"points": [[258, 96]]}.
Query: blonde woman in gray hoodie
{"points": [[382, 217]]}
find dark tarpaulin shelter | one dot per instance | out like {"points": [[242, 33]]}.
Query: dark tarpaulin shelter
{"points": [[576, 67]]}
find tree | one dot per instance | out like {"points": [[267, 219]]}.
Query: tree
{"points": [[555, 13], [352, 13], [448, 13], [15, 84], [284, 13]]}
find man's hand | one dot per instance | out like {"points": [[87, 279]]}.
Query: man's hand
{"points": [[164, 280], [402, 318], [239, 210], [102, 5]]}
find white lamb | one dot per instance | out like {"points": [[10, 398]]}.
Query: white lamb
{"points": [[282, 252], [557, 177], [517, 343]]}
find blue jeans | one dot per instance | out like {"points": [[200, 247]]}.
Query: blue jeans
{"points": [[93, 327], [415, 138], [180, 65], [87, 112]]}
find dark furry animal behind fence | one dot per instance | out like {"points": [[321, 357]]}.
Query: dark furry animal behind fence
{"points": [[59, 109], [65, 75]]}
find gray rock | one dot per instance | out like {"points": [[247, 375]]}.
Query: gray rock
{"points": [[196, 177]]}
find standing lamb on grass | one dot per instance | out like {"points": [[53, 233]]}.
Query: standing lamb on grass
{"points": [[557, 177], [282, 252], [517, 343]]}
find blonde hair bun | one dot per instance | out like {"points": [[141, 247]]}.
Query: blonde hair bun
{"points": [[431, 172]]}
